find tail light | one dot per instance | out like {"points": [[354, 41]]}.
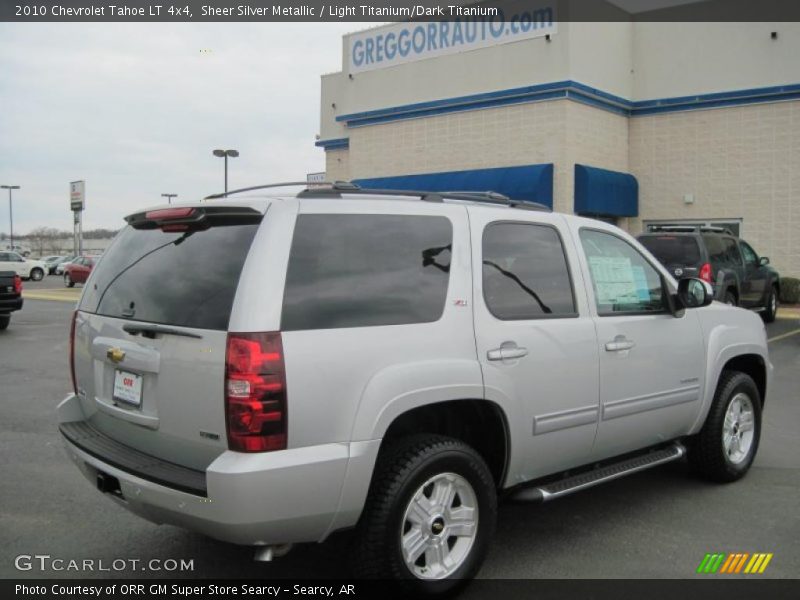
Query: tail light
{"points": [[72, 351], [255, 392], [705, 273], [17, 284]]}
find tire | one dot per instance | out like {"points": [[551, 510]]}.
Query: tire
{"points": [[730, 298], [771, 309], [711, 454], [420, 466], [4, 321], [37, 274], [68, 281]]}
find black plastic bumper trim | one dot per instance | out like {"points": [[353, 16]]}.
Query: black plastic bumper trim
{"points": [[87, 438]]}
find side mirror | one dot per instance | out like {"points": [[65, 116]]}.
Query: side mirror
{"points": [[695, 293], [763, 261]]}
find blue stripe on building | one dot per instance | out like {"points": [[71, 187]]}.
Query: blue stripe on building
{"points": [[572, 90]]}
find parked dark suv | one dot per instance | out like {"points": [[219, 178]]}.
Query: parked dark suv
{"points": [[739, 276]]}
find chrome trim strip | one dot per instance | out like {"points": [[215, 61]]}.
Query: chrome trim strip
{"points": [[565, 419], [648, 402]]}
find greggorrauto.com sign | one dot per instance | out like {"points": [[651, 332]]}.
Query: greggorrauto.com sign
{"points": [[401, 43]]}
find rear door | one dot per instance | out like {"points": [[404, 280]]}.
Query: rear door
{"points": [[754, 283], [151, 328], [536, 341]]}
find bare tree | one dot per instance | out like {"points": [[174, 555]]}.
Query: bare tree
{"points": [[43, 240]]}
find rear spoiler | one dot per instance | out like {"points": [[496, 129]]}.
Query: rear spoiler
{"points": [[185, 218]]}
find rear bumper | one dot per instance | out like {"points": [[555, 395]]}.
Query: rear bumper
{"points": [[297, 495], [8, 305]]}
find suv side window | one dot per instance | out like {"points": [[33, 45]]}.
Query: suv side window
{"points": [[623, 280], [750, 256], [366, 271], [732, 256], [525, 273]]}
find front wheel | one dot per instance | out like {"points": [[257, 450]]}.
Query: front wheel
{"points": [[68, 281], [771, 309], [726, 446], [429, 516]]}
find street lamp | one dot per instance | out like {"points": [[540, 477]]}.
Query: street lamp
{"points": [[169, 197], [10, 211], [225, 154]]}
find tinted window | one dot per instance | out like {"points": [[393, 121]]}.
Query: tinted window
{"points": [[750, 256], [525, 274], [673, 249], [187, 279], [622, 279], [722, 250], [366, 270], [4, 257]]}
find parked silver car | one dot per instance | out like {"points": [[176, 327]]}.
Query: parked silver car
{"points": [[269, 370]]}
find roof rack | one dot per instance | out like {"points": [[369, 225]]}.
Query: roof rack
{"points": [[256, 187], [690, 229], [346, 187], [328, 189]]}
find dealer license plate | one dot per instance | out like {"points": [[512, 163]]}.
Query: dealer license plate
{"points": [[128, 387]]}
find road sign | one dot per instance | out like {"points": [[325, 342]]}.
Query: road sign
{"points": [[77, 195]]}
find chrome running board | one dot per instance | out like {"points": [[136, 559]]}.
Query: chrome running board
{"points": [[563, 487]]}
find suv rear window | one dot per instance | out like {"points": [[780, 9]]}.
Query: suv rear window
{"points": [[673, 249], [366, 270], [187, 279]]}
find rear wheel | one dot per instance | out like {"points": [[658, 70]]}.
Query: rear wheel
{"points": [[429, 516], [730, 298], [37, 274], [68, 281], [4, 321], [771, 309], [726, 446]]}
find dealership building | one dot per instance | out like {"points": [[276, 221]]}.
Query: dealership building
{"points": [[637, 123]]}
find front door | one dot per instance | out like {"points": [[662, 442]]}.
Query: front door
{"points": [[536, 341], [651, 363]]}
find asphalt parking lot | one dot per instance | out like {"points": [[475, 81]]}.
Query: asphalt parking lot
{"points": [[656, 524]]}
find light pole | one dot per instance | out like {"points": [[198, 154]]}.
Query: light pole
{"points": [[10, 212], [225, 154], [169, 197]]}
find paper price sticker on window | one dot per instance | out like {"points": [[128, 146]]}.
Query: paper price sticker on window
{"points": [[614, 279]]}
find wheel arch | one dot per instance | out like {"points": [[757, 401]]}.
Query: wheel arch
{"points": [[481, 424], [754, 366]]}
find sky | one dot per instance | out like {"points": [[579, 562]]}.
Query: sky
{"points": [[136, 109]]}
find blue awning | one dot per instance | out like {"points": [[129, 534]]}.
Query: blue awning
{"points": [[600, 192], [529, 182]]}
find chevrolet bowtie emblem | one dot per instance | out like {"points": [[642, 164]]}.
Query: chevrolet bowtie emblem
{"points": [[115, 354]]}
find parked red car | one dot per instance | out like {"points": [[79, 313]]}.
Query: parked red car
{"points": [[78, 270]]}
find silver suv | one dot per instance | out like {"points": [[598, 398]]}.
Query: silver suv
{"points": [[269, 370]]}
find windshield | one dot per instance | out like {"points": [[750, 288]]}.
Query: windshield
{"points": [[186, 278]]}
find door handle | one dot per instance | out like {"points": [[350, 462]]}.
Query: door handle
{"points": [[507, 351], [619, 344]]}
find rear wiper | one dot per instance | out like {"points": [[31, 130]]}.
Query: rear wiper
{"points": [[151, 330]]}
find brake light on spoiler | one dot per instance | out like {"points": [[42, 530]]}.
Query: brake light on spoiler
{"points": [[255, 392], [192, 218]]}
